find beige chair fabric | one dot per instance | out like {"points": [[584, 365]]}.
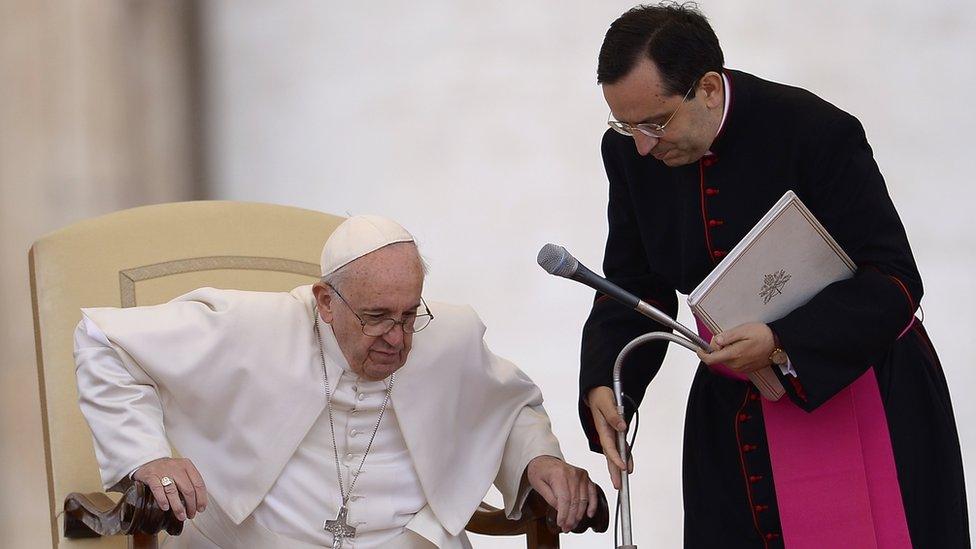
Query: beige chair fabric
{"points": [[146, 256]]}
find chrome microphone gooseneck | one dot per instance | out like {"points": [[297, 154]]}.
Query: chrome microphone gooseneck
{"points": [[618, 394], [557, 261]]}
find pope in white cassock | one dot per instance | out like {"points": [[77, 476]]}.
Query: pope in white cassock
{"points": [[319, 417]]}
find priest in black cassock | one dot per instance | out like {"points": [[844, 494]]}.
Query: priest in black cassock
{"points": [[863, 451]]}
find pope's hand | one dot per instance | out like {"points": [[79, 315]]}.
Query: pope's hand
{"points": [[744, 349], [566, 488], [608, 423], [186, 481]]}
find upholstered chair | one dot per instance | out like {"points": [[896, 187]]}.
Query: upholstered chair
{"points": [[146, 256]]}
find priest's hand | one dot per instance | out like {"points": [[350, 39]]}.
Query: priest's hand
{"points": [[186, 482], [744, 349], [566, 488], [608, 423]]}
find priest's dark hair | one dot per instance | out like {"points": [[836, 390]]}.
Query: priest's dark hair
{"points": [[676, 37]]}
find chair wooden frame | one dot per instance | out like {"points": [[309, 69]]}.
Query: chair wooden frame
{"points": [[137, 515]]}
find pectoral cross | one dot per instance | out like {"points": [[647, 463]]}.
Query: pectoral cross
{"points": [[340, 528]]}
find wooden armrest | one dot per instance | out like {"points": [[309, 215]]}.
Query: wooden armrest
{"points": [[95, 514], [536, 514], [137, 514]]}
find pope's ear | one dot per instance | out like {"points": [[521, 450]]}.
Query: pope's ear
{"points": [[323, 301]]}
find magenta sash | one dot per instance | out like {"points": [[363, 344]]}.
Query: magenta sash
{"points": [[834, 470]]}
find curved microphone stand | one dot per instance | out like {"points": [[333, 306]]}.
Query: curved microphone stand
{"points": [[556, 260], [691, 342]]}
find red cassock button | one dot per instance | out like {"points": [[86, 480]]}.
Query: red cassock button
{"points": [[715, 222], [748, 447], [761, 508], [709, 160], [711, 191], [771, 536], [719, 254], [754, 478], [753, 396], [743, 417]]}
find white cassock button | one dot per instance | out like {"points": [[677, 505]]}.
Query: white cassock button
{"points": [[353, 433], [349, 457], [361, 396], [355, 388]]}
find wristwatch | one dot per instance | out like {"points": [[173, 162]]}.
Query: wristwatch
{"points": [[778, 357]]}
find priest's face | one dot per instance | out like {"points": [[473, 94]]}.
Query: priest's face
{"points": [[690, 125], [386, 283]]}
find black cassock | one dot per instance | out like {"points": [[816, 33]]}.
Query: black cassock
{"points": [[670, 226]]}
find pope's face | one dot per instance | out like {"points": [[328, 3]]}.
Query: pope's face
{"points": [[386, 283], [640, 97]]}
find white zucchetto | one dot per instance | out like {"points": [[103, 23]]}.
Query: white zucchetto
{"points": [[358, 236]]}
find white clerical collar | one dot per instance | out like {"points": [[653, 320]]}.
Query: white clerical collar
{"points": [[728, 101], [335, 361], [727, 87]]}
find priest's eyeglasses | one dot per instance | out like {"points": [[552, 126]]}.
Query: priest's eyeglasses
{"points": [[375, 326], [648, 129]]}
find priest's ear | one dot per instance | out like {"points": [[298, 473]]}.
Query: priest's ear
{"points": [[712, 87], [324, 301]]}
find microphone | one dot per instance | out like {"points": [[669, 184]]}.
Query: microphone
{"points": [[556, 260]]}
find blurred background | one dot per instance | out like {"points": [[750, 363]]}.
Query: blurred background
{"points": [[476, 125]]}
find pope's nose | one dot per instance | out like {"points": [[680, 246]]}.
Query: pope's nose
{"points": [[394, 338]]}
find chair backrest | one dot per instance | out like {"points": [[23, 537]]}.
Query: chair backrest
{"points": [[146, 256]]}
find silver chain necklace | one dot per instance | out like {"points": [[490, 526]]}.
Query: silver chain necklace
{"points": [[340, 527]]}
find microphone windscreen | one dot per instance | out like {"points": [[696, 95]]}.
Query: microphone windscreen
{"points": [[557, 261]]}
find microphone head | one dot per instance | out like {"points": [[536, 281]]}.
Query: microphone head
{"points": [[557, 261]]}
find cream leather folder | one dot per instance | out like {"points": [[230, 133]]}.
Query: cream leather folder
{"points": [[786, 259]]}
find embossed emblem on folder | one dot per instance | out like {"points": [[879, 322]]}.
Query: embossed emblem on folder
{"points": [[773, 284]]}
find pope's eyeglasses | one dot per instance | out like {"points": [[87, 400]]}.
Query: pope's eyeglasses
{"points": [[411, 323], [650, 130]]}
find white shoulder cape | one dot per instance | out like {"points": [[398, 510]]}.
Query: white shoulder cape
{"points": [[240, 381]]}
